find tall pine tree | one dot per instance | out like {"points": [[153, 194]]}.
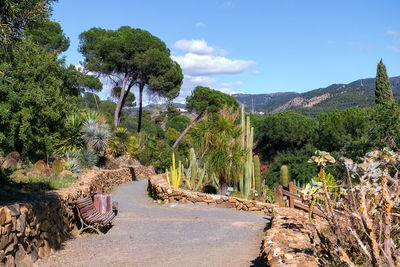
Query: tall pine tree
{"points": [[383, 92]]}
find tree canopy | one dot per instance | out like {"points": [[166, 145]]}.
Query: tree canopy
{"points": [[15, 15], [35, 99], [136, 58], [204, 99], [49, 35], [383, 92]]}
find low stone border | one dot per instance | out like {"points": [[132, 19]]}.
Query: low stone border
{"points": [[160, 189], [289, 242], [35, 228]]}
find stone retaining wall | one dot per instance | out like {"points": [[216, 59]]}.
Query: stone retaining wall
{"points": [[37, 227], [289, 241], [160, 189]]}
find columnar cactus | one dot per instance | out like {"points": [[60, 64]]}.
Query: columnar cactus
{"points": [[245, 180], [284, 176], [257, 174]]}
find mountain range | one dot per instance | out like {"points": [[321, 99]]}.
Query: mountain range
{"points": [[359, 93]]}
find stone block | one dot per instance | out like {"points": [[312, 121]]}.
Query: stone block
{"points": [[5, 216], [14, 209]]}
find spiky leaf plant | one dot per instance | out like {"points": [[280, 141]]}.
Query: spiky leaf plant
{"points": [[95, 135], [87, 158]]}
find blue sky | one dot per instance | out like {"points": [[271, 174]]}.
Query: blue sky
{"points": [[254, 46]]}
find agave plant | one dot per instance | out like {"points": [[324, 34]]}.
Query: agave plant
{"points": [[87, 158], [95, 135]]}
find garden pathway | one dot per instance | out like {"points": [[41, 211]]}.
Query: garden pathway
{"points": [[149, 234]]}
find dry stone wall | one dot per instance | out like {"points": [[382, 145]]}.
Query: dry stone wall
{"points": [[35, 228], [160, 189]]}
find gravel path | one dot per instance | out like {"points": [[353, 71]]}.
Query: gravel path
{"points": [[149, 234]]}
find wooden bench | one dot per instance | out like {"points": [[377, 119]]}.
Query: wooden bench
{"points": [[90, 218]]}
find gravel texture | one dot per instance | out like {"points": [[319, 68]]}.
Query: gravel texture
{"points": [[146, 233]]}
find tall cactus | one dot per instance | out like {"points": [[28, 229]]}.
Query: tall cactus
{"points": [[257, 174], [246, 178], [243, 127], [248, 165], [284, 176]]}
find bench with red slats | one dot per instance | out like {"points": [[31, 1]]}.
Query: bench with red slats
{"points": [[90, 217]]}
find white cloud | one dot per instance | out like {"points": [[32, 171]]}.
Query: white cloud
{"points": [[227, 4], [227, 91], [394, 48], [194, 64], [231, 84], [395, 36], [198, 47], [200, 24], [190, 82], [393, 33]]}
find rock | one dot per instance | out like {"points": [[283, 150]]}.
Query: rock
{"points": [[20, 255], [2, 255], [20, 225], [10, 261], [34, 253], [14, 209], [5, 216], [45, 226], [26, 262], [288, 256]]}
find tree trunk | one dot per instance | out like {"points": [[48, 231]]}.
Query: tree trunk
{"points": [[141, 86], [186, 130], [97, 105], [118, 109]]}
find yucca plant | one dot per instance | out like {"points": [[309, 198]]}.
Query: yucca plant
{"points": [[95, 135], [87, 158], [73, 139]]}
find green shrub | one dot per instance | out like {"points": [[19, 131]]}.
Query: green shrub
{"points": [[179, 123], [157, 153], [87, 158], [132, 146], [57, 166]]}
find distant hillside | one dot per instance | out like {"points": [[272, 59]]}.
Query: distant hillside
{"points": [[336, 96]]}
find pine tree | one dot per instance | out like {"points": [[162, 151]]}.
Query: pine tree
{"points": [[383, 92]]}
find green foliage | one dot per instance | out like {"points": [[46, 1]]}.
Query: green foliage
{"points": [[193, 175], [87, 158], [284, 176], [205, 99], [72, 138], [35, 100], [285, 131], [57, 166], [127, 52], [149, 128], [95, 133], [49, 35], [345, 130], [257, 174], [132, 146], [383, 92], [296, 161], [384, 127], [154, 152], [330, 181], [179, 123], [16, 14]]}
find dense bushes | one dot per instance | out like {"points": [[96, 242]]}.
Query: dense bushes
{"points": [[289, 138]]}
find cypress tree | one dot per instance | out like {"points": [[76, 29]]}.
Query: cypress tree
{"points": [[383, 92]]}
